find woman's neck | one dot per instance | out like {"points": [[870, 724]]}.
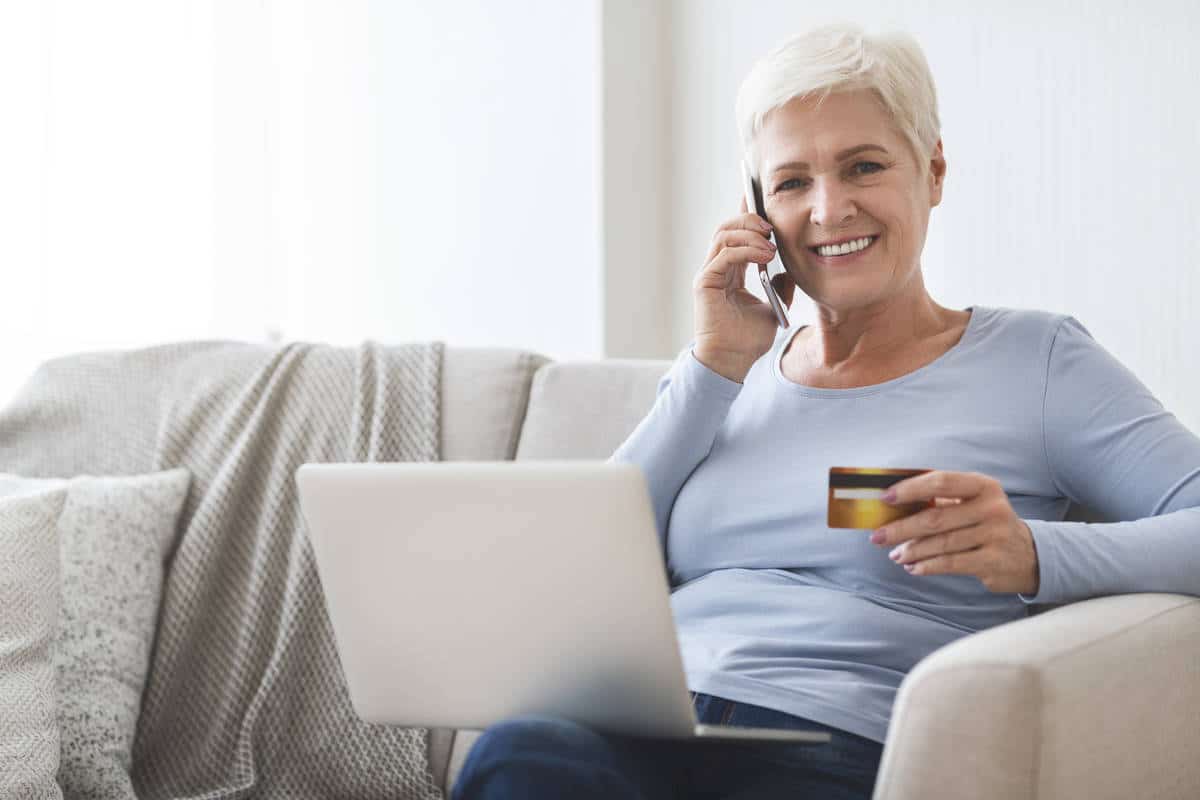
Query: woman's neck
{"points": [[844, 340]]}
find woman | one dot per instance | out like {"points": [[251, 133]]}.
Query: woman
{"points": [[782, 620]]}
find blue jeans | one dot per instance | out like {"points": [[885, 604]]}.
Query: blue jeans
{"points": [[531, 757]]}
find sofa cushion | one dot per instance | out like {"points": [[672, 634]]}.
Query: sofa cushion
{"points": [[29, 598], [115, 534], [585, 409], [484, 395]]}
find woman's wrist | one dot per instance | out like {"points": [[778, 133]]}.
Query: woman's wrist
{"points": [[730, 368]]}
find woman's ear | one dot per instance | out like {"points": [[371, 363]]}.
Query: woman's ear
{"points": [[937, 174]]}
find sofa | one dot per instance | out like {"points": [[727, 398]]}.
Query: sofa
{"points": [[1095, 699]]}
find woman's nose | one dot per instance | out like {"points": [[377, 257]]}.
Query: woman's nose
{"points": [[832, 206]]}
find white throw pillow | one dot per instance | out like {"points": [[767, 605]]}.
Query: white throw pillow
{"points": [[29, 607], [115, 533]]}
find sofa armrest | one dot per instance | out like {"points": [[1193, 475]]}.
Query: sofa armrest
{"points": [[1095, 699]]}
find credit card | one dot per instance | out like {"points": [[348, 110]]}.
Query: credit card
{"points": [[855, 496]]}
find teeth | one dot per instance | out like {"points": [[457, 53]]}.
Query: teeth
{"points": [[845, 247]]}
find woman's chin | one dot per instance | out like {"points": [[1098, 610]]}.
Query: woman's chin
{"points": [[846, 295]]}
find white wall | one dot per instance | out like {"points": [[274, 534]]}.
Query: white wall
{"points": [[105, 195], [1072, 136], [328, 170], [488, 174]]}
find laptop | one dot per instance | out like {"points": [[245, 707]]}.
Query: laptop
{"points": [[465, 593]]}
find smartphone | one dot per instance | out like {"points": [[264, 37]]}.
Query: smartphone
{"points": [[754, 203]]}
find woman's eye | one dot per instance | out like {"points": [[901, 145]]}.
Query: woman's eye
{"points": [[867, 167], [790, 183]]}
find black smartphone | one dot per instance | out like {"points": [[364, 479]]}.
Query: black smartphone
{"points": [[754, 202]]}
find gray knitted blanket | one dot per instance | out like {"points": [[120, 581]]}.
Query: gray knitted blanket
{"points": [[246, 696]]}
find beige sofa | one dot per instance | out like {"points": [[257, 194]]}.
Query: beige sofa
{"points": [[1098, 699]]}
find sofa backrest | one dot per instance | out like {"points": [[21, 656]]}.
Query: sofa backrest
{"points": [[585, 409]]}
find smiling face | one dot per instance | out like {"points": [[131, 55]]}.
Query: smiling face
{"points": [[842, 174]]}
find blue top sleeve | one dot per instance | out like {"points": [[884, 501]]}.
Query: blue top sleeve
{"points": [[1113, 448], [678, 433]]}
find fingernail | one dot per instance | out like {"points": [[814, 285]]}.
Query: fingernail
{"points": [[879, 536], [909, 568], [895, 554], [889, 496]]}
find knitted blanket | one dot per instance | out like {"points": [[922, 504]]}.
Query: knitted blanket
{"points": [[246, 696]]}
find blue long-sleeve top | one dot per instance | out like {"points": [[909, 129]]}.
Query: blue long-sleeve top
{"points": [[776, 609]]}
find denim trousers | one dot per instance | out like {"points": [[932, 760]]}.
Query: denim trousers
{"points": [[534, 756]]}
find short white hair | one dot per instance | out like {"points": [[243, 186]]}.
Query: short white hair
{"points": [[842, 57]]}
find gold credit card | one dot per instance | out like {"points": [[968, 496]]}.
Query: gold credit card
{"points": [[855, 496]]}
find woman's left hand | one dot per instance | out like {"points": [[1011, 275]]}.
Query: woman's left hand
{"points": [[972, 531]]}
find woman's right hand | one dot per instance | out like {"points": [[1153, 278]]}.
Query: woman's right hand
{"points": [[733, 327]]}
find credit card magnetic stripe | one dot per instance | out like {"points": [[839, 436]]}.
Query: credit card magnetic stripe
{"points": [[849, 480]]}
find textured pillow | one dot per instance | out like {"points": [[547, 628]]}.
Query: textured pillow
{"points": [[115, 533], [29, 606]]}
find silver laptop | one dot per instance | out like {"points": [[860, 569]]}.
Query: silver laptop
{"points": [[465, 593]]}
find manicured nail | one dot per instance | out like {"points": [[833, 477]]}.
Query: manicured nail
{"points": [[889, 496], [895, 554], [879, 536]]}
